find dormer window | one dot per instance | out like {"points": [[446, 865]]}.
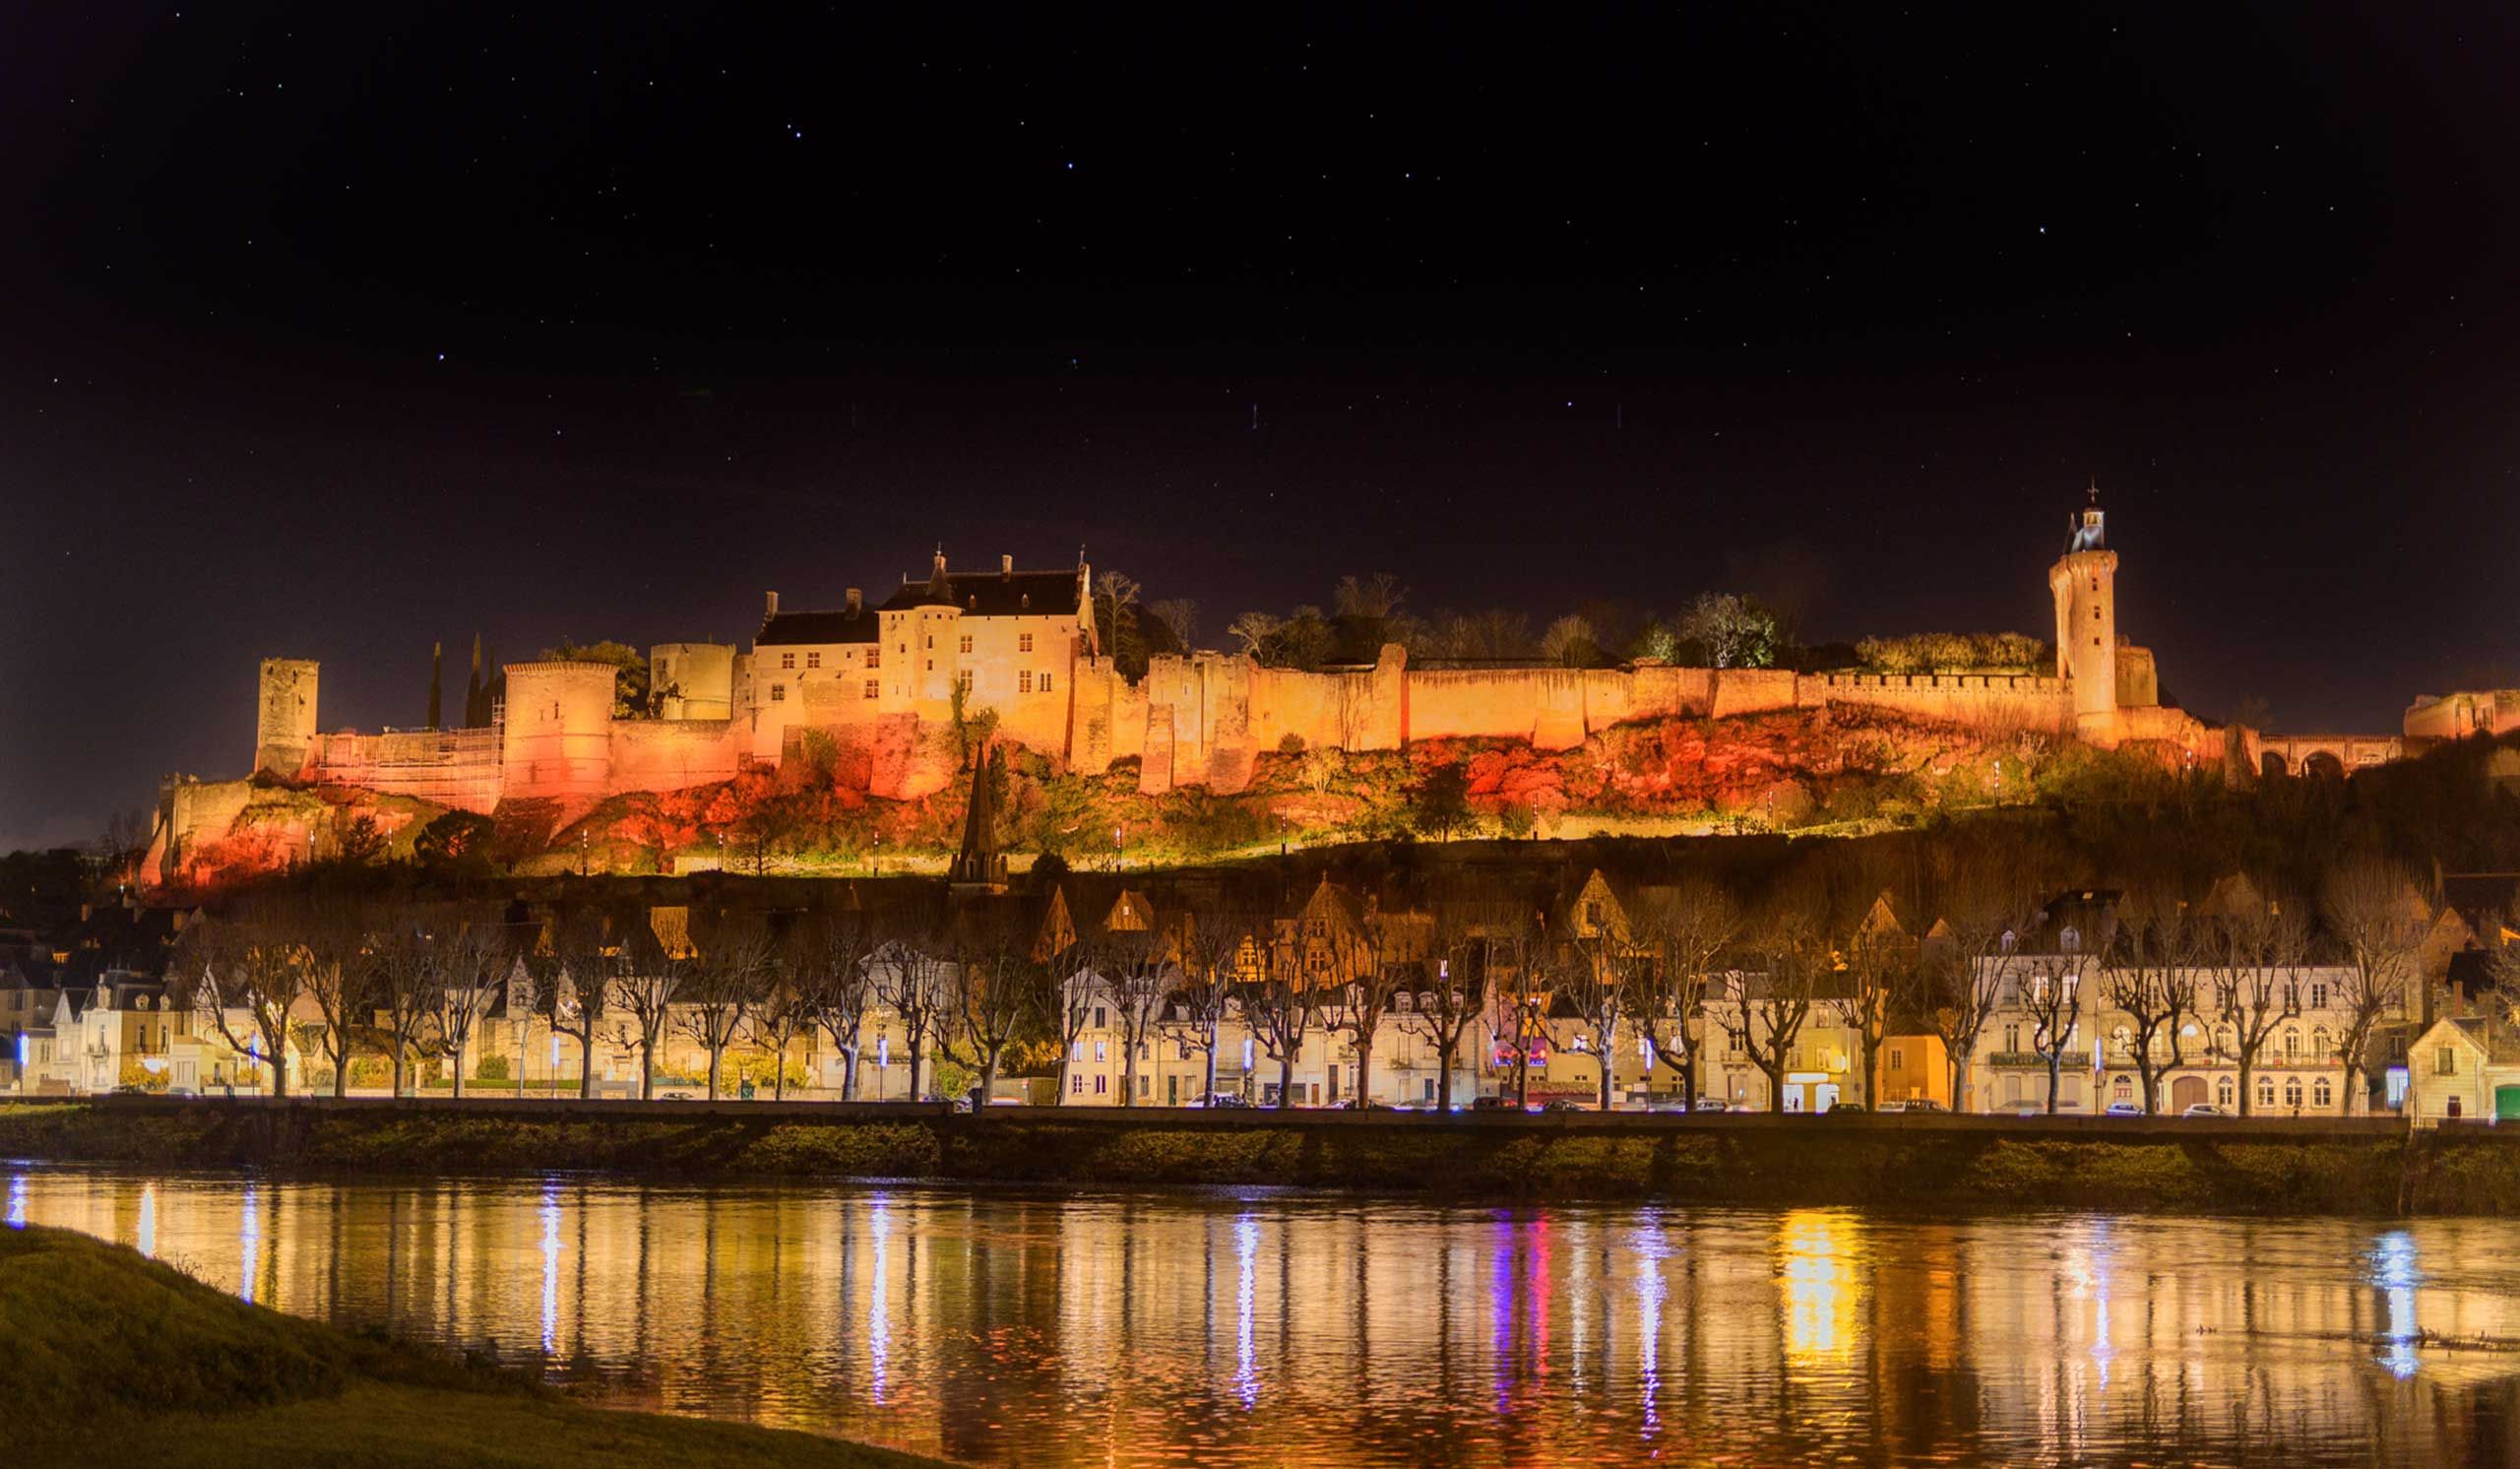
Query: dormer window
{"points": [[2008, 941], [2070, 940]]}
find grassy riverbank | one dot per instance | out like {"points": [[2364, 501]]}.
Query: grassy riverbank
{"points": [[116, 1359], [2287, 1167]]}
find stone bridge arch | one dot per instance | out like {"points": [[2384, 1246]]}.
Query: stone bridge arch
{"points": [[2330, 756]]}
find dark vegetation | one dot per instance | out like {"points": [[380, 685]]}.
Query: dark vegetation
{"points": [[1969, 1164]]}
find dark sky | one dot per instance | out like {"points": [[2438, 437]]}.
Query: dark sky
{"points": [[334, 331]]}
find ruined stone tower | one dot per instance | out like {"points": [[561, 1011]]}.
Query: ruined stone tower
{"points": [[2084, 581], [284, 721]]}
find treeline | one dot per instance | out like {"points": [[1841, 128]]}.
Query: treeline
{"points": [[1718, 630]]}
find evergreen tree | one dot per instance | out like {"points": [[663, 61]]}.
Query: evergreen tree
{"points": [[437, 670], [477, 710]]}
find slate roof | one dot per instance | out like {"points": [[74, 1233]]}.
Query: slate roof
{"points": [[994, 594], [840, 626]]}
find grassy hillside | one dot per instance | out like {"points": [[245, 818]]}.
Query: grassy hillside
{"points": [[110, 1358]]}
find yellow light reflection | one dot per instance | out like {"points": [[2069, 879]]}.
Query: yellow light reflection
{"points": [[1817, 1248]]}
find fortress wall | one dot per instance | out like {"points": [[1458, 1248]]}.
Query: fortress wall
{"points": [[197, 811], [2173, 727], [1738, 691], [668, 754], [454, 768], [2455, 716], [1993, 701], [1286, 701]]}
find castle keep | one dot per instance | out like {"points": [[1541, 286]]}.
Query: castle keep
{"points": [[877, 688]]}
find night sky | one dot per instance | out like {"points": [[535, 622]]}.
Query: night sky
{"points": [[330, 333]]}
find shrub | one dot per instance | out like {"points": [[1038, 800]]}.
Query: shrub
{"points": [[491, 1068]]}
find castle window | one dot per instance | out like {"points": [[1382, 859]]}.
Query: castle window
{"points": [[813, 660], [962, 681], [931, 642], [1045, 683], [967, 642], [1022, 642], [786, 660], [779, 693], [870, 688], [875, 655], [1024, 681]]}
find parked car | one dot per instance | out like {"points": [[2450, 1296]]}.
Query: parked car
{"points": [[2123, 1110], [959, 1104], [1222, 1099], [1491, 1104], [1359, 1104], [1564, 1103], [1834, 1107], [2203, 1110], [677, 1095], [1921, 1103], [1710, 1103]]}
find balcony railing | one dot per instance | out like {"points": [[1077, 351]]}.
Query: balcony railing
{"points": [[2070, 1061]]}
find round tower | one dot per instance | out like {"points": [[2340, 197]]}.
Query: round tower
{"points": [[284, 719], [559, 736], [2084, 581]]}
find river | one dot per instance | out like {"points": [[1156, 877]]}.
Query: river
{"points": [[1237, 1328]]}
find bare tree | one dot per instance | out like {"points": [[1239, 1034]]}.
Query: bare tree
{"points": [[406, 1000], [639, 999], [1453, 992], [244, 974], [2151, 979], [831, 966], [2252, 962], [997, 996], [2050, 987], [470, 965], [1358, 1006], [1135, 977], [586, 959], [1763, 1013], [913, 978], [1603, 981], [1280, 1007], [1205, 996], [1071, 986], [1180, 617], [1521, 984], [1876, 973], [2364, 902], [1374, 598], [1256, 631], [1957, 983], [341, 976], [1687, 928], [724, 985]]}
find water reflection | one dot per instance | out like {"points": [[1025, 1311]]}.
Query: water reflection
{"points": [[1020, 1328]]}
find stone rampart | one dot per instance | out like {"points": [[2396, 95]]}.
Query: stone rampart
{"points": [[669, 754], [455, 768], [1995, 702]]}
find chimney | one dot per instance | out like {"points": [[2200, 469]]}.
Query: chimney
{"points": [[773, 609], [857, 601], [1005, 568]]}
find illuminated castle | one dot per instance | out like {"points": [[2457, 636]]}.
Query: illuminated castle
{"points": [[878, 690]]}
